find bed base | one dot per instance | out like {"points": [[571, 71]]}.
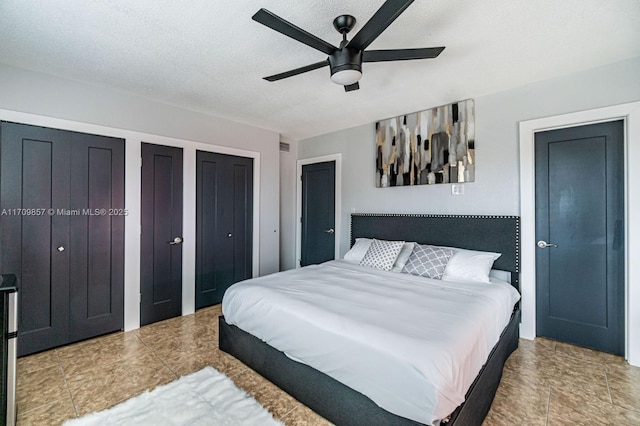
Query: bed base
{"points": [[342, 405]]}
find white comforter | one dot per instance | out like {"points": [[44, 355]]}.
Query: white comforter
{"points": [[413, 345]]}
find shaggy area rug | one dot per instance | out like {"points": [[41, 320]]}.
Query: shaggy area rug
{"points": [[206, 397]]}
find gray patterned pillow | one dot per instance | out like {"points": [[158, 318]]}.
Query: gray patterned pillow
{"points": [[382, 254], [428, 261]]}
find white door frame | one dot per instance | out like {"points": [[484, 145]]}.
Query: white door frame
{"points": [[630, 113], [338, 203]]}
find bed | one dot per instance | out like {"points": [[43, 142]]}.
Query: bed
{"points": [[346, 403]]}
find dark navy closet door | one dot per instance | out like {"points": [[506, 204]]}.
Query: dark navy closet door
{"points": [[318, 213], [62, 232], [224, 224], [580, 235], [161, 238], [96, 237]]}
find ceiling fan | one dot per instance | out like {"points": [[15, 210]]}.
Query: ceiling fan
{"points": [[345, 61]]}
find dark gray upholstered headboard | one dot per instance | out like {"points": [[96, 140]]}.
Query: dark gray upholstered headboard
{"points": [[500, 234]]}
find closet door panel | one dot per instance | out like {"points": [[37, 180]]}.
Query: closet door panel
{"points": [[160, 254], [34, 185], [224, 223], [242, 221], [209, 229], [96, 233], [62, 231]]}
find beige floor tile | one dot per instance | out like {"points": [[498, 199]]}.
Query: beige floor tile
{"points": [[278, 402], [53, 413], [304, 416], [193, 340], [574, 409], [38, 361], [185, 330], [519, 402], [102, 352], [585, 379], [543, 379], [40, 387], [248, 379], [183, 363], [534, 366], [209, 314], [101, 387], [227, 364], [538, 345], [624, 385], [587, 355]]}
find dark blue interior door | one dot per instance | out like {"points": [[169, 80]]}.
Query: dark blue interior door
{"points": [[34, 170], [579, 229], [224, 224], [318, 213], [161, 238], [67, 245]]}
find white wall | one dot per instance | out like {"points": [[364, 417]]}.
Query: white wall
{"points": [[497, 186], [40, 99], [288, 222]]}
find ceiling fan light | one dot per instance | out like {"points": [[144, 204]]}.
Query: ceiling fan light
{"points": [[346, 77]]}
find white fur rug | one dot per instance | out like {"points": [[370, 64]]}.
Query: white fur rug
{"points": [[206, 397]]}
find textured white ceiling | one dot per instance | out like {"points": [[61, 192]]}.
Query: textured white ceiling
{"points": [[210, 56]]}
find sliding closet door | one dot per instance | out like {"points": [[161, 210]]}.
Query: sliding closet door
{"points": [[96, 236], [224, 224], [34, 182]]}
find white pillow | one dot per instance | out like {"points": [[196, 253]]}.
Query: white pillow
{"points": [[470, 265], [360, 247], [382, 254]]}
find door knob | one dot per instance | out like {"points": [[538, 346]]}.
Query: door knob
{"points": [[229, 235], [544, 244], [60, 248], [176, 241], [329, 231]]}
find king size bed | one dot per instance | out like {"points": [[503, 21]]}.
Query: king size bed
{"points": [[364, 340]]}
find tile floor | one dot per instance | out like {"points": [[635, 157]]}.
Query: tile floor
{"points": [[544, 382]]}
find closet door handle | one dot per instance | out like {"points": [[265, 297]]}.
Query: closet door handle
{"points": [[61, 248], [176, 241], [329, 231]]}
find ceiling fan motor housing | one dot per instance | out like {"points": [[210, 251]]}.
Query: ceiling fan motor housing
{"points": [[345, 59]]}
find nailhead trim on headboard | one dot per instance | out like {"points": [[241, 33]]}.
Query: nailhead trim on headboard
{"points": [[515, 245]]}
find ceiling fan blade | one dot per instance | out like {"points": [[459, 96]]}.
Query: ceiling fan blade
{"points": [[352, 87], [275, 22], [400, 54], [297, 71], [388, 13]]}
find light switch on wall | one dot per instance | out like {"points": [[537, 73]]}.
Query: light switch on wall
{"points": [[457, 189]]}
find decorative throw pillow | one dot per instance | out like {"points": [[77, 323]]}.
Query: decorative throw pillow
{"points": [[428, 261], [403, 257], [361, 246], [382, 254]]}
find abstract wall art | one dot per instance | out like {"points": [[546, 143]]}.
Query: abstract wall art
{"points": [[427, 147]]}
